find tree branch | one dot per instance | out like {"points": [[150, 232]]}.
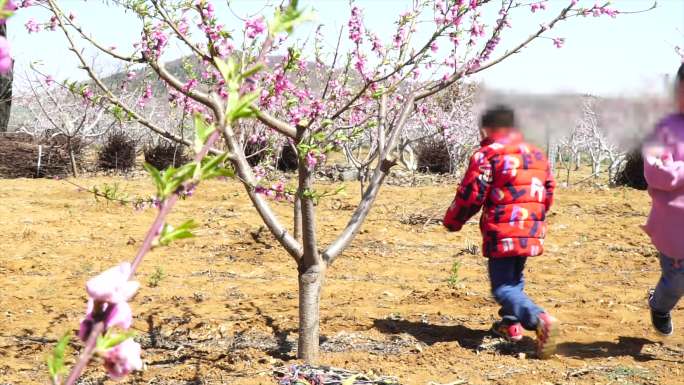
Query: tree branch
{"points": [[275, 123], [245, 175], [381, 171], [60, 15]]}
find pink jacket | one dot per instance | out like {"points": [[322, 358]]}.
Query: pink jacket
{"points": [[664, 172]]}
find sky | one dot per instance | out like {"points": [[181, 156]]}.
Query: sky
{"points": [[630, 54]]}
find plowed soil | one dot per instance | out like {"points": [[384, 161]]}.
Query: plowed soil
{"points": [[222, 308]]}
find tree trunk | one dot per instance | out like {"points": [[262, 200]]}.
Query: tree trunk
{"points": [[5, 91], [550, 151], [595, 165], [612, 169], [311, 267], [578, 161], [72, 159], [310, 286], [610, 176], [551, 155], [596, 169]]}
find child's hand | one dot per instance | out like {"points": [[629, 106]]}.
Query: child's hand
{"points": [[654, 150], [653, 160]]}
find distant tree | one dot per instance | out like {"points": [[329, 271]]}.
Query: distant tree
{"points": [[56, 114], [5, 90]]}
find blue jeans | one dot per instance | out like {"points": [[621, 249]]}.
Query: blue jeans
{"points": [[671, 285], [508, 284]]}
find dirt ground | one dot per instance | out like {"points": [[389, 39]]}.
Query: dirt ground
{"points": [[221, 308]]}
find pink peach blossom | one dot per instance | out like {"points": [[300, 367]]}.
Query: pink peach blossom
{"points": [[112, 285], [255, 27], [120, 316], [5, 58], [123, 359]]}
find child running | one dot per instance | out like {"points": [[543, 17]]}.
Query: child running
{"points": [[511, 179], [664, 172]]}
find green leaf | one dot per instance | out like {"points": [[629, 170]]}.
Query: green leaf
{"points": [[285, 21], [223, 68], [211, 162], [178, 177], [110, 340], [71, 85], [291, 102], [303, 149], [4, 13], [293, 58], [156, 177], [242, 108], [319, 136], [169, 234], [55, 362], [117, 112], [202, 132], [252, 71], [211, 168], [173, 178], [225, 172]]}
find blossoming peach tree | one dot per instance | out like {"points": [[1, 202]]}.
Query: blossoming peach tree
{"points": [[317, 100], [7, 8]]}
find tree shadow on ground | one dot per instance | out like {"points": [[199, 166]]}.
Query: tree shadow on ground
{"points": [[431, 334], [285, 349], [626, 346]]}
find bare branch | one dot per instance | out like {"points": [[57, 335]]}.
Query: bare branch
{"points": [[381, 171], [276, 124], [63, 19], [245, 175]]}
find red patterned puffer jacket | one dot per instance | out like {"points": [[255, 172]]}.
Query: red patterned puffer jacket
{"points": [[512, 180]]}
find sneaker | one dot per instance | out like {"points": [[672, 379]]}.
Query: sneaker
{"points": [[547, 335], [662, 322], [512, 332]]}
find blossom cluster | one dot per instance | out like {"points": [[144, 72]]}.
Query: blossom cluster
{"points": [[219, 39], [277, 191], [108, 295], [355, 25], [254, 27], [189, 105], [154, 41], [540, 6], [600, 10], [301, 104], [313, 158]]}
